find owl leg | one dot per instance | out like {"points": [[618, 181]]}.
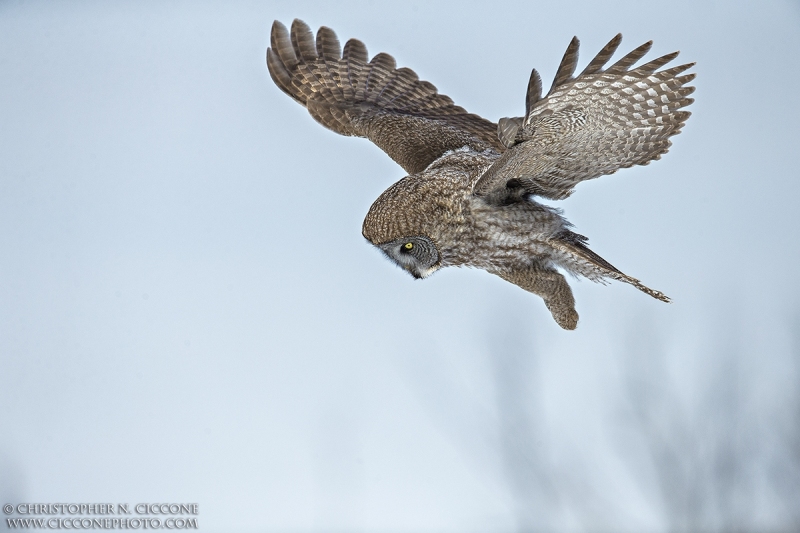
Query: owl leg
{"points": [[552, 287]]}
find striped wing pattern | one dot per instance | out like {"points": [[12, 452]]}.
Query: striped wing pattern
{"points": [[351, 95], [590, 125]]}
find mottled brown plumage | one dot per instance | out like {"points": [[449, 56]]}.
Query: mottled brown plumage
{"points": [[469, 198]]}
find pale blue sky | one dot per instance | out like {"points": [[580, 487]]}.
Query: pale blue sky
{"points": [[188, 311]]}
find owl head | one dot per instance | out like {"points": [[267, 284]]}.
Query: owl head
{"points": [[404, 224]]}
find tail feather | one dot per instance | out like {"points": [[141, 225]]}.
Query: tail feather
{"points": [[575, 245]]}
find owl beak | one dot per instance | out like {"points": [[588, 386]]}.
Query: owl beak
{"points": [[413, 272]]}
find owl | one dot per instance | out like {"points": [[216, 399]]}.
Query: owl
{"points": [[470, 196]]}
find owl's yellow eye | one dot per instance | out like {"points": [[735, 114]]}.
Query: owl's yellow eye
{"points": [[408, 245]]}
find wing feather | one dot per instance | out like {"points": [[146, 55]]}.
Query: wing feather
{"points": [[343, 91], [328, 46], [534, 93], [303, 42], [568, 63], [652, 66], [603, 56], [590, 125], [622, 65]]}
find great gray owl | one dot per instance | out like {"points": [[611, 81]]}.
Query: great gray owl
{"points": [[469, 198]]}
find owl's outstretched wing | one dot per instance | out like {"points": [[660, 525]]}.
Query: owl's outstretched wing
{"points": [[390, 106], [589, 125]]}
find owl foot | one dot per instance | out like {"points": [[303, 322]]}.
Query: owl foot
{"points": [[566, 318]]}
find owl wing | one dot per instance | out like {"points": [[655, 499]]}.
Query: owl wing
{"points": [[407, 118], [589, 125]]}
